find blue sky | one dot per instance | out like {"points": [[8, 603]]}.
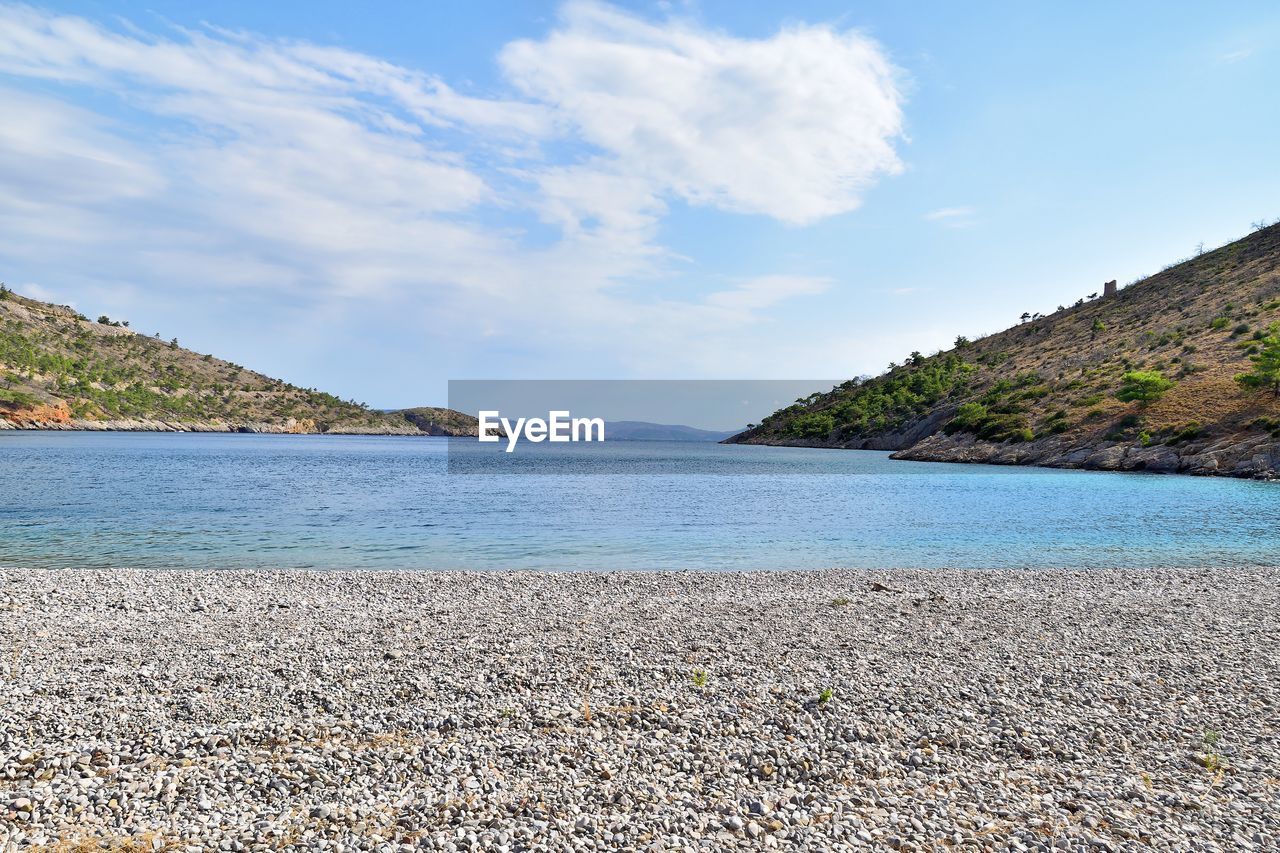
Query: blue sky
{"points": [[373, 200]]}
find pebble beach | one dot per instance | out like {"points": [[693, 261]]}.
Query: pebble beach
{"points": [[984, 710]]}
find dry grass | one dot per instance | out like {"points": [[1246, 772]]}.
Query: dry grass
{"points": [[145, 841], [1163, 323]]}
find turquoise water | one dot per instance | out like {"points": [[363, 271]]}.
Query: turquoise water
{"points": [[156, 500]]}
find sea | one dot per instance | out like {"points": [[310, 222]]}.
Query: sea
{"points": [[232, 501]]}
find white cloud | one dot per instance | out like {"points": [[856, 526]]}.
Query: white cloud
{"points": [[35, 291], [794, 126], [952, 217], [211, 160], [764, 291], [55, 155]]}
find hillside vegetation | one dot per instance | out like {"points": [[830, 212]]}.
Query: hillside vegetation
{"points": [[61, 370], [1175, 372]]}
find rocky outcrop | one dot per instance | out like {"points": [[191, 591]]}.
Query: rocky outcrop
{"points": [[1252, 456], [58, 413], [909, 435]]}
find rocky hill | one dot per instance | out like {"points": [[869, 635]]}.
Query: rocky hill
{"points": [[433, 421], [1176, 372], [61, 370]]}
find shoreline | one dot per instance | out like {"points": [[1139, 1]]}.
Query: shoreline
{"points": [[984, 709], [1256, 459], [1250, 458], [155, 426]]}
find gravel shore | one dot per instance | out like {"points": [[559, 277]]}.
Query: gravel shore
{"points": [[841, 710]]}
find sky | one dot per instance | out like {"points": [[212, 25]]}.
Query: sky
{"points": [[373, 199]]}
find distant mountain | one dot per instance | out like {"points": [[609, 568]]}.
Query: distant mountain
{"points": [[61, 370], [645, 431], [1177, 372]]}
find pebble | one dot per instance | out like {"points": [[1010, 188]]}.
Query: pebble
{"points": [[383, 711]]}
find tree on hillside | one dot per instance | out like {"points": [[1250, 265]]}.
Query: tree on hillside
{"points": [[1143, 387], [1266, 364], [813, 425]]}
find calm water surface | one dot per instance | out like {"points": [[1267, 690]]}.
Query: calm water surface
{"points": [[156, 500]]}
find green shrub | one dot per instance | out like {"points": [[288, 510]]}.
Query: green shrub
{"points": [[1056, 424], [1220, 323], [1091, 400], [1190, 367], [1271, 425], [1266, 364], [988, 425], [1125, 428], [1186, 433], [813, 425], [1143, 387], [18, 398], [883, 403], [968, 418]]}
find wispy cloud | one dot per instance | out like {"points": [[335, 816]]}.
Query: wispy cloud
{"points": [[768, 290], [793, 127], [213, 160], [953, 217]]}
